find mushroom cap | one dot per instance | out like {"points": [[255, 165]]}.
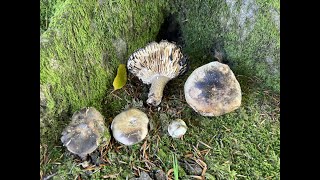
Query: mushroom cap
{"points": [[130, 126], [177, 128], [157, 59], [85, 131], [213, 90]]}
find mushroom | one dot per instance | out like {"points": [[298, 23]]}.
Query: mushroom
{"points": [[177, 128], [213, 90], [130, 126], [157, 64], [85, 132]]}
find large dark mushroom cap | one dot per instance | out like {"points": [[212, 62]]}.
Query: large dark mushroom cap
{"points": [[213, 90], [85, 132]]}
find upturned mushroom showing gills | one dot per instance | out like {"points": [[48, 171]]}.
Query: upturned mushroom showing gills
{"points": [[85, 132], [157, 64], [130, 127], [213, 90]]}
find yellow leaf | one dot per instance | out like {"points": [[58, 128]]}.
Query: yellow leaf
{"points": [[121, 79]]}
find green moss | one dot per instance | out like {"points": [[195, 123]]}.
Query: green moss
{"points": [[268, 4], [78, 61], [246, 30], [78, 64], [47, 9], [251, 56]]}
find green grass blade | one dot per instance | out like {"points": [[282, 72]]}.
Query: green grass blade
{"points": [[175, 167]]}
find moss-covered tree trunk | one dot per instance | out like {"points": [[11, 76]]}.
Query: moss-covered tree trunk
{"points": [[247, 30], [81, 48]]}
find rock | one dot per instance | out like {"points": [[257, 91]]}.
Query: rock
{"points": [[192, 168], [213, 90], [143, 176], [158, 174]]}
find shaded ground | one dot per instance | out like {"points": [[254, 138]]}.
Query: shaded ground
{"points": [[244, 144]]}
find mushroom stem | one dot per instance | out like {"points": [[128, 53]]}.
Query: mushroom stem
{"points": [[156, 90]]}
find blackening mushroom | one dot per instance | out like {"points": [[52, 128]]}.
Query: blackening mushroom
{"points": [[213, 90], [157, 64], [85, 132], [130, 126]]}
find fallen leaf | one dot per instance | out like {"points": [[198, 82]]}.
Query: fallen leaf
{"points": [[121, 79]]}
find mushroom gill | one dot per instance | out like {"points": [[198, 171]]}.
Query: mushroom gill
{"points": [[157, 64]]}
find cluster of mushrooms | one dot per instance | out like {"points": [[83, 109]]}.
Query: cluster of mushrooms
{"points": [[211, 90]]}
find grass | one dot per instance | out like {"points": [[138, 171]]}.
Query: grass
{"points": [[175, 167], [78, 64], [244, 144]]}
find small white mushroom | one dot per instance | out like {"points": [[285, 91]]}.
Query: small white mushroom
{"points": [[85, 132], [157, 64], [130, 127], [177, 128]]}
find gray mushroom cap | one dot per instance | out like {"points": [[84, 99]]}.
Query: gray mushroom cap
{"points": [[213, 90], [85, 132], [130, 127]]}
